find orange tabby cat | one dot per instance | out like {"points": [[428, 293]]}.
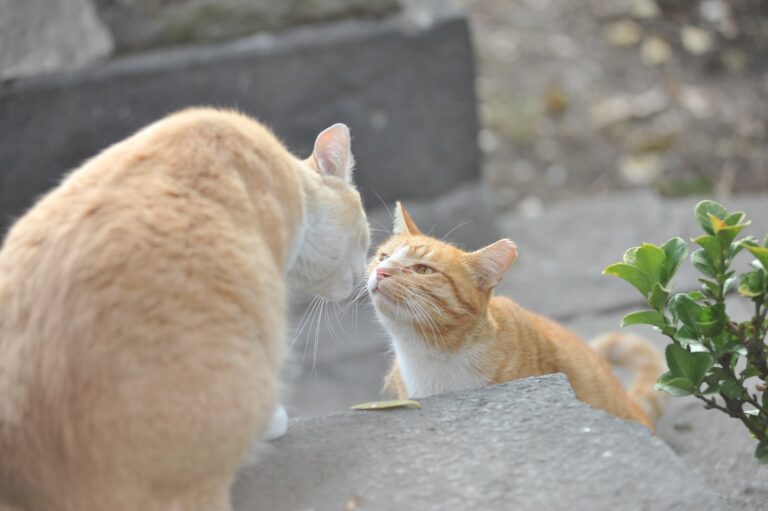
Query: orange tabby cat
{"points": [[450, 333], [143, 308]]}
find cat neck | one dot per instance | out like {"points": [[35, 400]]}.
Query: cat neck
{"points": [[428, 369]]}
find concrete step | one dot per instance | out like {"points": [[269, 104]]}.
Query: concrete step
{"points": [[525, 445]]}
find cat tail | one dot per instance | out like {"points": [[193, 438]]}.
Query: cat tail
{"points": [[646, 363]]}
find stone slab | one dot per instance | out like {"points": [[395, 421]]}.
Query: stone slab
{"points": [[525, 445], [405, 86], [140, 25]]}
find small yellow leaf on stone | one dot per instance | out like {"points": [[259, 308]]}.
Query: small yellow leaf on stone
{"points": [[655, 51], [383, 405], [623, 33], [696, 40]]}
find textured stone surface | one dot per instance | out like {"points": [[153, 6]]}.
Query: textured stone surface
{"points": [[404, 85], [45, 36], [138, 25], [526, 445]]}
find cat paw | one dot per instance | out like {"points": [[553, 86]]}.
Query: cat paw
{"points": [[278, 425]]}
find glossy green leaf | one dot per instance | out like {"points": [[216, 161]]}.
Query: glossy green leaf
{"points": [[712, 320], [701, 261], [685, 364], [675, 251], [730, 389], [631, 274], [712, 246], [761, 253], [728, 233], [643, 318], [752, 284], [658, 297], [706, 208], [686, 333], [736, 218], [711, 288], [686, 310], [649, 259], [674, 386]]}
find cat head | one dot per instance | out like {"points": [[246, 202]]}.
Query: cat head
{"points": [[331, 258], [420, 283]]}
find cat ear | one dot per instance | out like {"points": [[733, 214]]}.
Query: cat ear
{"points": [[492, 262], [332, 154], [404, 224]]}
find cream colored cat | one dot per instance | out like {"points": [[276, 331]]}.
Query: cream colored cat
{"points": [[143, 311], [450, 333]]}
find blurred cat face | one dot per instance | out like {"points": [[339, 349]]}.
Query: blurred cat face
{"points": [[338, 237], [332, 256]]}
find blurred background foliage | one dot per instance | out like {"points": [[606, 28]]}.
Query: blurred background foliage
{"points": [[596, 95]]}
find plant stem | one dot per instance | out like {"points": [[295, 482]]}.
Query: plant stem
{"points": [[733, 409]]}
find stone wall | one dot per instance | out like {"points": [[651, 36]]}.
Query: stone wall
{"points": [[404, 84]]}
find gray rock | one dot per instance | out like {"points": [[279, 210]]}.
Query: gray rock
{"points": [[45, 36], [151, 23], [526, 445], [405, 86]]}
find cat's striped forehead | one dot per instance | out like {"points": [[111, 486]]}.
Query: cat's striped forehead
{"points": [[402, 250]]}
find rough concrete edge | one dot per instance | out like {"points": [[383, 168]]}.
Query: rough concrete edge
{"points": [[300, 426]]}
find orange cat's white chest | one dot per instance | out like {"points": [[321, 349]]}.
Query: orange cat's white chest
{"points": [[427, 371]]}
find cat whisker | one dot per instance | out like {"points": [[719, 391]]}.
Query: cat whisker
{"points": [[392, 216], [457, 227], [323, 303], [314, 316], [304, 320]]}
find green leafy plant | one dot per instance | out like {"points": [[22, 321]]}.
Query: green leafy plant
{"points": [[712, 357]]}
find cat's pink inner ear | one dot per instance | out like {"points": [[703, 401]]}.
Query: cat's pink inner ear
{"points": [[492, 262], [332, 153], [404, 224]]}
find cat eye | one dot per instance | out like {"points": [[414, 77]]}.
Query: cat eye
{"points": [[383, 256], [423, 269]]}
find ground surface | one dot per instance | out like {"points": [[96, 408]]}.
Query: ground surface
{"points": [[562, 252]]}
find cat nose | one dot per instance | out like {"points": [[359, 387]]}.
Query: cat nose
{"points": [[382, 273]]}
